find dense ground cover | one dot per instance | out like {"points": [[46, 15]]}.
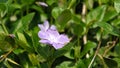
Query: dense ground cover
{"points": [[59, 33]]}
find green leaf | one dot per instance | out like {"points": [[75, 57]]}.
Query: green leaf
{"points": [[118, 61], [77, 19], [80, 64], [64, 17], [108, 28], [117, 49], [27, 19], [35, 37], [21, 41], [56, 12], [117, 5], [111, 63], [97, 14], [33, 58], [116, 23], [50, 2], [87, 47], [66, 64], [28, 38], [103, 1], [3, 9], [77, 29], [110, 14], [62, 51], [23, 23], [89, 3], [6, 42], [105, 26], [1, 30], [3, 1], [27, 2], [24, 60], [37, 8], [18, 51], [21, 37], [43, 51], [7, 64]]}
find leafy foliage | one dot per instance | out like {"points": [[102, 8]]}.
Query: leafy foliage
{"points": [[93, 27]]}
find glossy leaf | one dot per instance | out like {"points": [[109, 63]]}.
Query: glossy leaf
{"points": [[21, 41], [23, 24], [97, 14], [110, 14], [87, 47]]}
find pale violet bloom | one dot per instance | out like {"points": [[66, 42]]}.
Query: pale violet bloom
{"points": [[49, 35], [42, 4]]}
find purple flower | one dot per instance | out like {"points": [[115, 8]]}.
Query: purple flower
{"points": [[42, 4], [50, 35]]}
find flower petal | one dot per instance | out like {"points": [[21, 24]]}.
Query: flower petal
{"points": [[42, 4], [63, 39], [53, 27], [41, 27], [44, 41], [53, 32], [46, 25], [57, 46], [42, 35]]}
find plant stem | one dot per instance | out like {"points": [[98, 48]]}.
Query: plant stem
{"points": [[106, 51], [96, 52], [3, 26], [102, 60], [5, 55]]}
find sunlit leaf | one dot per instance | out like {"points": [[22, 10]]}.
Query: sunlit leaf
{"points": [[21, 41], [110, 14], [117, 5], [96, 14], [23, 23]]}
